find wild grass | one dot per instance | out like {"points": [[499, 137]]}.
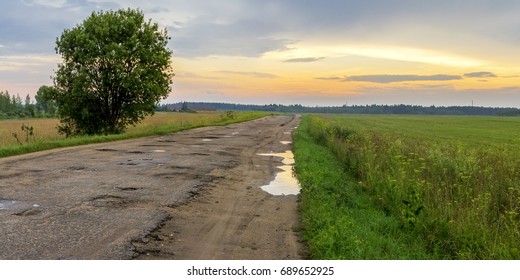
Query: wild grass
{"points": [[453, 183], [338, 220], [45, 135]]}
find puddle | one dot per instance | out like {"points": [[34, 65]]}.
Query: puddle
{"points": [[285, 142], [206, 140], [235, 133], [158, 151], [6, 204], [284, 183]]}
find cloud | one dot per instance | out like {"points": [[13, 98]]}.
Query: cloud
{"points": [[480, 75], [190, 75], [48, 3], [22, 63], [206, 36], [332, 78], [31, 27], [384, 79], [304, 59], [250, 74]]}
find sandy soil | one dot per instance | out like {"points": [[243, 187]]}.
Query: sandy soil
{"points": [[189, 195]]}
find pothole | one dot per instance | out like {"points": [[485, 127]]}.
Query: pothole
{"points": [[108, 201], [29, 212], [127, 188], [106, 150], [15, 205], [6, 204], [284, 182], [76, 168]]}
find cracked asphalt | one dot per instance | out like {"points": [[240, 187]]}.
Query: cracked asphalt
{"points": [[144, 198]]}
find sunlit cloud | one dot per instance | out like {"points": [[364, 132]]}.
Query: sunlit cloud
{"points": [[23, 63], [381, 52], [331, 78], [480, 75], [416, 55], [384, 79], [304, 59], [250, 74], [190, 75]]}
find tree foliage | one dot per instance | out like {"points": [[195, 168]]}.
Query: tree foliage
{"points": [[11, 106], [44, 100], [116, 68]]}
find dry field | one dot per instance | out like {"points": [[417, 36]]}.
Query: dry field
{"points": [[45, 129]]}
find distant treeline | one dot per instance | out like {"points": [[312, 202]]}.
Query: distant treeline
{"points": [[12, 106], [355, 109]]}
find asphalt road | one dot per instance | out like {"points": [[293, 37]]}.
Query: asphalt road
{"points": [[128, 199]]}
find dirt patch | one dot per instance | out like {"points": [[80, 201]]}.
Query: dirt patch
{"points": [[191, 199]]}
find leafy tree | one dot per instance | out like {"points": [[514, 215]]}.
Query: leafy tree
{"points": [[44, 100], [185, 108], [116, 68], [29, 107], [10, 106], [5, 102], [17, 102]]}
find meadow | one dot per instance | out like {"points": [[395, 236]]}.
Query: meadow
{"points": [[409, 187], [15, 140]]}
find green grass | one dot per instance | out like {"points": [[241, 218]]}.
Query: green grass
{"points": [[338, 220], [465, 130], [158, 124], [449, 187]]}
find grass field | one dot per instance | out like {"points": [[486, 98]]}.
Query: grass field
{"points": [[45, 135], [412, 187]]}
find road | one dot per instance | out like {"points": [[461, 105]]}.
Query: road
{"points": [[188, 195]]}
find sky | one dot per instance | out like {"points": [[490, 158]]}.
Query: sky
{"points": [[314, 53]]}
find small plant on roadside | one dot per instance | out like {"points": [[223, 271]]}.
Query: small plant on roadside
{"points": [[230, 115], [29, 133]]}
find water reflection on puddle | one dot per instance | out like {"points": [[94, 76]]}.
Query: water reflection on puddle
{"points": [[284, 183], [5, 204]]}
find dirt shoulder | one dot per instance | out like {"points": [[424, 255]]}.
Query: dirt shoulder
{"points": [[188, 195]]}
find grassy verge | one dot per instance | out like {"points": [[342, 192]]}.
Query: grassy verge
{"points": [[441, 192], [158, 124], [338, 220]]}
